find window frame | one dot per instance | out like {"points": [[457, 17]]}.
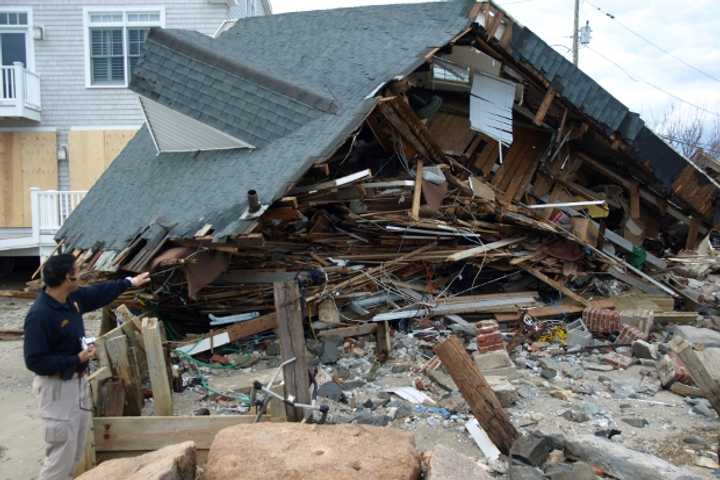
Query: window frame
{"points": [[27, 29], [124, 25]]}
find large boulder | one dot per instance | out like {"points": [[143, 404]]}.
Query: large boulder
{"points": [[176, 462], [293, 451]]}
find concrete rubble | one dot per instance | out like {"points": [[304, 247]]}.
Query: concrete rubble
{"points": [[176, 462]]}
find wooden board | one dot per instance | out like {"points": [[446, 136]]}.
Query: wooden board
{"points": [[27, 159], [90, 152], [123, 434], [520, 163], [162, 395]]}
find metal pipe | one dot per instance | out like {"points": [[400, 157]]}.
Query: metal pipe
{"points": [[253, 201]]}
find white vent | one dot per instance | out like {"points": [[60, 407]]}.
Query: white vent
{"points": [[173, 131]]}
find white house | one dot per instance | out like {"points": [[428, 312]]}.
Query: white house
{"points": [[65, 110]]}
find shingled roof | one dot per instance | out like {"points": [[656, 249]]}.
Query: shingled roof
{"points": [[295, 84]]}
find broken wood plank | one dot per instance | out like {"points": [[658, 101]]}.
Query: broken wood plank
{"points": [[354, 331], [476, 391], [292, 345], [117, 351], [162, 394], [556, 285], [382, 341], [117, 434], [477, 251], [417, 193], [691, 242], [544, 107]]}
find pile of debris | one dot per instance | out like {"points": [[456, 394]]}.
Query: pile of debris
{"points": [[488, 190]]}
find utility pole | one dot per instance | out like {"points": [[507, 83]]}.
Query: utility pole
{"points": [[576, 33]]}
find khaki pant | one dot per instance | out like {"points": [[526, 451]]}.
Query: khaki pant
{"points": [[64, 408]]}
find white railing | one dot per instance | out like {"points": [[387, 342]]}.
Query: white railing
{"points": [[19, 88], [50, 209]]}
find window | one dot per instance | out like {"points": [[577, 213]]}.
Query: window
{"points": [[13, 19], [115, 40]]}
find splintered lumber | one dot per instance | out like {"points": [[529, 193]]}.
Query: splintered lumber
{"points": [[117, 352], [292, 345], [417, 194], [11, 334], [703, 365], [556, 285], [476, 391], [162, 395], [476, 251], [133, 434], [18, 294], [382, 341], [544, 107]]}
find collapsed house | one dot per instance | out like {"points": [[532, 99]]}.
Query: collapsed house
{"points": [[431, 165], [420, 151]]}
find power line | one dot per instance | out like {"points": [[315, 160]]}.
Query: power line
{"points": [[652, 85], [647, 40]]}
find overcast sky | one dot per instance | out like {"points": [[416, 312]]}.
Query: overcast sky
{"points": [[689, 30]]}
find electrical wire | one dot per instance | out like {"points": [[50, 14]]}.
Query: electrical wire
{"points": [[647, 40], [652, 85]]}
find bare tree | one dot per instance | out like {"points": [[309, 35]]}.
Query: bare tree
{"points": [[683, 130]]}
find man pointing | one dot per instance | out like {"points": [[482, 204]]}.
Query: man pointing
{"points": [[54, 351]]}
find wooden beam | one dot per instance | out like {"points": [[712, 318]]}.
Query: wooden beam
{"points": [[118, 434], [117, 351], [417, 194], [635, 201], [495, 24], [162, 395], [354, 331], [692, 237], [477, 393], [544, 107], [382, 341], [260, 324], [556, 285], [292, 345]]}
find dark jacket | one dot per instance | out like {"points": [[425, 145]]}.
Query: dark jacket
{"points": [[53, 330]]}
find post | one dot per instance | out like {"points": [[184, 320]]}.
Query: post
{"points": [[19, 86], [162, 394], [576, 34], [382, 341], [477, 393], [35, 213], [117, 352], [292, 345]]}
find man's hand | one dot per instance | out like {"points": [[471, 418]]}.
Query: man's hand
{"points": [[87, 355], [140, 280]]}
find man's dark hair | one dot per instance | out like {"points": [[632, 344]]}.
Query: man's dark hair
{"points": [[56, 268]]}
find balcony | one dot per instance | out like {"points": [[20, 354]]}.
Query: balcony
{"points": [[19, 93]]}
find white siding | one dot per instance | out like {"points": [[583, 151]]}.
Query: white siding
{"points": [[60, 60]]}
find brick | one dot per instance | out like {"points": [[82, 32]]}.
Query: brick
{"points": [[601, 321], [617, 360]]}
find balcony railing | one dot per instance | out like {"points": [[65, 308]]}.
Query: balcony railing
{"points": [[19, 92], [50, 209]]}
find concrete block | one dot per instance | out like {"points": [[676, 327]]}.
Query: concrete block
{"points": [[447, 464], [176, 462], [531, 449]]}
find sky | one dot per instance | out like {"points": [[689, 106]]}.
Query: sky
{"points": [[617, 58]]}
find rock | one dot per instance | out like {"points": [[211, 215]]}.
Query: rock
{"points": [[702, 407], [201, 412], [280, 451], [617, 360], [442, 379], [549, 373], [176, 462], [556, 456], [523, 472], [644, 350], [352, 385], [636, 422], [447, 464], [504, 390], [621, 462], [573, 371], [332, 391], [694, 440], [368, 418], [598, 367], [575, 471], [575, 415], [531, 449]]}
